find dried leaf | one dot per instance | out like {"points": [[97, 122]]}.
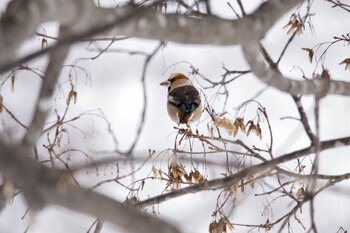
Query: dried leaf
{"points": [[71, 94], [197, 176], [346, 62], [13, 77], [294, 24], [251, 127], [301, 192], [310, 52], [228, 125], [242, 185], [213, 227], [258, 131], [242, 126], [252, 182], [227, 223], [43, 43], [239, 122], [188, 178], [233, 190], [217, 121], [156, 173]]}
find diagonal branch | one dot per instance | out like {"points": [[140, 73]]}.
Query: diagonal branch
{"points": [[43, 105], [221, 183], [303, 118]]}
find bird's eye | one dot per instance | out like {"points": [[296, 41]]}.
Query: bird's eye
{"points": [[171, 80]]}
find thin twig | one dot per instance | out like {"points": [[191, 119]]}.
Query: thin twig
{"points": [[143, 81], [303, 118]]}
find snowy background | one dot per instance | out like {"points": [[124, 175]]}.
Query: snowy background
{"points": [[113, 86]]}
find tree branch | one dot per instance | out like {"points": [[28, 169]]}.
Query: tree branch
{"points": [[247, 172], [41, 186], [44, 104], [319, 86], [148, 23]]}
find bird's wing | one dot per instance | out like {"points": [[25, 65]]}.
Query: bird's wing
{"points": [[186, 98]]}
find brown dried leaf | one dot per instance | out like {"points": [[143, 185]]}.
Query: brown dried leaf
{"points": [[346, 62], [188, 178], [301, 192], [224, 220], [228, 125], [258, 131], [233, 190], [13, 77], [294, 24], [252, 182], [217, 121], [213, 227], [237, 125], [310, 52], [251, 127], [43, 43], [71, 94], [197, 176], [241, 125], [181, 169]]}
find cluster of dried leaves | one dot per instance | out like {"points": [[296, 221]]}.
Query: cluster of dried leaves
{"points": [[221, 226], [295, 25], [177, 174], [233, 126]]}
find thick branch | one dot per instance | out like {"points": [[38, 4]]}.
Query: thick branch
{"points": [[319, 86], [23, 17], [207, 30], [148, 24], [41, 186], [44, 103]]}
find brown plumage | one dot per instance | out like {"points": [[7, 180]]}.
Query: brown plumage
{"points": [[184, 102]]}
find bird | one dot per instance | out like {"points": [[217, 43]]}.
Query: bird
{"points": [[184, 101]]}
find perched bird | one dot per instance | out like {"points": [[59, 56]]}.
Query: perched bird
{"points": [[184, 102]]}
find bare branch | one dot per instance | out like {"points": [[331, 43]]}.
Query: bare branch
{"points": [[230, 180], [43, 105], [318, 86], [42, 186], [143, 80], [147, 24], [303, 118]]}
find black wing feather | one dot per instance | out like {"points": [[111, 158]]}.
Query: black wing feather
{"points": [[186, 98]]}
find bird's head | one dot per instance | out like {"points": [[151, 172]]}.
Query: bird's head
{"points": [[176, 80]]}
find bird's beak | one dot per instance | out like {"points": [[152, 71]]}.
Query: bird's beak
{"points": [[165, 83]]}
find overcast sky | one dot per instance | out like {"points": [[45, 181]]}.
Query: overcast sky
{"points": [[113, 86]]}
